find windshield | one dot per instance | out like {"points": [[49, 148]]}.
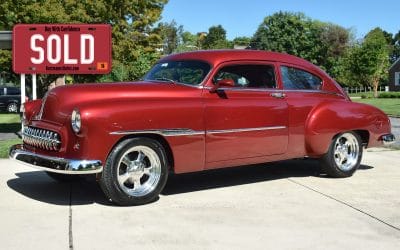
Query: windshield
{"points": [[187, 72]]}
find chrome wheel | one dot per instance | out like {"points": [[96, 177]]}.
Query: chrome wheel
{"points": [[346, 151], [12, 108], [139, 171]]}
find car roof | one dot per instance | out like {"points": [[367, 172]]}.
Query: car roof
{"points": [[215, 57]]}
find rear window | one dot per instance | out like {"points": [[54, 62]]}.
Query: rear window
{"points": [[294, 78]]}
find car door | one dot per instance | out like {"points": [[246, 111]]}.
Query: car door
{"points": [[247, 120]]}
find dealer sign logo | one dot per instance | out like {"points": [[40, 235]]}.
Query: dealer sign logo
{"points": [[62, 48]]}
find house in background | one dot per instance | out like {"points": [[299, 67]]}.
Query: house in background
{"points": [[394, 76]]}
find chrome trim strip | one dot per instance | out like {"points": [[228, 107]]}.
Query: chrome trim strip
{"points": [[54, 164], [190, 132], [277, 90], [312, 91], [247, 89], [163, 132], [197, 86], [239, 130]]}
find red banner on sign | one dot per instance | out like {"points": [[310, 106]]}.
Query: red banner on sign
{"points": [[62, 48]]}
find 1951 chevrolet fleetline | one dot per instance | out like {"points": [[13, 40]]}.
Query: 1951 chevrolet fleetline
{"points": [[196, 111]]}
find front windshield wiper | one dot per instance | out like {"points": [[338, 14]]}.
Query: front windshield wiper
{"points": [[164, 79]]}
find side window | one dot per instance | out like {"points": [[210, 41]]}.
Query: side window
{"points": [[293, 78], [1, 91], [248, 76], [188, 72]]}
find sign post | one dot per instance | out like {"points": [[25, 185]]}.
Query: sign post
{"points": [[22, 88], [34, 96]]}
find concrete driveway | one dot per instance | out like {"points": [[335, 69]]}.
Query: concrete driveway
{"points": [[286, 205]]}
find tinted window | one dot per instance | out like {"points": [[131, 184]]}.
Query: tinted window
{"points": [[293, 78], [1, 91], [13, 91], [248, 76], [188, 72]]}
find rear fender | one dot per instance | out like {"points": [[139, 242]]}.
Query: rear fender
{"points": [[331, 118]]}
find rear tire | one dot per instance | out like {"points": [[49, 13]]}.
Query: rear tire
{"points": [[135, 172], [344, 155]]}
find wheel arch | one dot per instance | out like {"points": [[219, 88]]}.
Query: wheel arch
{"points": [[330, 119], [364, 135], [154, 136]]}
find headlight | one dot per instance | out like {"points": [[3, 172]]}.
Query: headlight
{"points": [[76, 121]]}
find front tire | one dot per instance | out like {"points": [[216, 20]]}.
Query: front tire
{"points": [[135, 172], [344, 155]]}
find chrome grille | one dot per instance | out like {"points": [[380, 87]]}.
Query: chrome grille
{"points": [[41, 138]]}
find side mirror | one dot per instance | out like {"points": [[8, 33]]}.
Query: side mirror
{"points": [[222, 83]]}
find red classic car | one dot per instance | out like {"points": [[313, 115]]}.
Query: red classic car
{"points": [[196, 111]]}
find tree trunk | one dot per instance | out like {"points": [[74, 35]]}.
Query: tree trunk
{"points": [[375, 83]]}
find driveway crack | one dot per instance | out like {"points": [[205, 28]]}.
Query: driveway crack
{"points": [[346, 204]]}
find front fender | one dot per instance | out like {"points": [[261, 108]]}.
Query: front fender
{"points": [[105, 124], [331, 118]]}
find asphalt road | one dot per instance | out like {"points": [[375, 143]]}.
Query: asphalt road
{"points": [[286, 205]]}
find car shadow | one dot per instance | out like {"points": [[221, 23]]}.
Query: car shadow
{"points": [[38, 186], [218, 178]]}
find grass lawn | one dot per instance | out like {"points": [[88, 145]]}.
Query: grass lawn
{"points": [[5, 146], [9, 123], [390, 106], [9, 118]]}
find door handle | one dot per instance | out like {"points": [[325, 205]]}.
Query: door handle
{"points": [[279, 95]]}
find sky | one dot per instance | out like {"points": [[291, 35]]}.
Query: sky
{"points": [[242, 17]]}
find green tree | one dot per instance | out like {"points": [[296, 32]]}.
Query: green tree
{"points": [[287, 32], [189, 42], [367, 63], [296, 34], [171, 35], [216, 38], [242, 41], [395, 52], [334, 41]]}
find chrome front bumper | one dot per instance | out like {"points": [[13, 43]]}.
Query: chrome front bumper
{"points": [[54, 164], [388, 139]]}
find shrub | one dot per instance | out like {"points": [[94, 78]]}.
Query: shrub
{"points": [[389, 95]]}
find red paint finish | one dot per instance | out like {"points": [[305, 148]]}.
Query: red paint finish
{"points": [[228, 127], [244, 109]]}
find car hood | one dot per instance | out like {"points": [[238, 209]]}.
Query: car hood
{"points": [[58, 103]]}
